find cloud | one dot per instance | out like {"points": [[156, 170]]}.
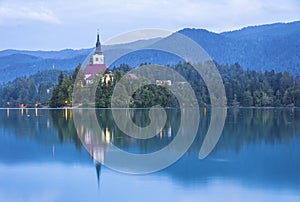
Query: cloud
{"points": [[81, 19], [216, 15], [20, 13]]}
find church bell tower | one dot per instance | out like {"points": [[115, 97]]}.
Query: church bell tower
{"points": [[98, 57]]}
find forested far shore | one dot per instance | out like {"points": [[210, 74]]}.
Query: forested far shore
{"points": [[243, 87]]}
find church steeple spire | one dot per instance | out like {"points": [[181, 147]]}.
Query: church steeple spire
{"points": [[98, 45], [97, 57], [98, 170]]}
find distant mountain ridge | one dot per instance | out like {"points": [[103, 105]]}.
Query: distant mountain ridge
{"points": [[18, 65], [62, 54], [264, 47]]}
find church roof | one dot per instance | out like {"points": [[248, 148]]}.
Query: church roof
{"points": [[94, 69]]}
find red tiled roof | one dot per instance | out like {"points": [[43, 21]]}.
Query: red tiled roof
{"points": [[94, 69]]}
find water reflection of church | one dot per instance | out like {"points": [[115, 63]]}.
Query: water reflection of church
{"points": [[165, 132], [96, 145], [99, 144]]}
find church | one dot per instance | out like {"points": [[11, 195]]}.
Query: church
{"points": [[96, 66]]}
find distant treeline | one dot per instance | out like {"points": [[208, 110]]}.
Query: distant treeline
{"points": [[247, 87], [243, 88], [29, 91]]}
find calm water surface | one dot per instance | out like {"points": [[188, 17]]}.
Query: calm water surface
{"points": [[42, 158]]}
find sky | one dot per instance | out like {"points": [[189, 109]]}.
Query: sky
{"points": [[61, 24]]}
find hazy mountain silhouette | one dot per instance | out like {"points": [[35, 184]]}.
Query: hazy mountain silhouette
{"points": [[264, 47]]}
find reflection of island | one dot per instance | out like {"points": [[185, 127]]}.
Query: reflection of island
{"points": [[245, 128], [98, 137], [165, 132], [96, 146]]}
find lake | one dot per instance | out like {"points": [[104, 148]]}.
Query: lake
{"points": [[44, 156]]}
